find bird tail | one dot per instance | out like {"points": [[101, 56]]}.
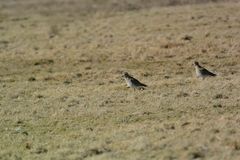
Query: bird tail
{"points": [[213, 74], [144, 85]]}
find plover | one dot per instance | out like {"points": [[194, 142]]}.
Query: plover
{"points": [[133, 83], [202, 72]]}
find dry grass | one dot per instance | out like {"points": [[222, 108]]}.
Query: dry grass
{"points": [[62, 96]]}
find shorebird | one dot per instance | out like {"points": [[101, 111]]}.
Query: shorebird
{"points": [[202, 72], [133, 83]]}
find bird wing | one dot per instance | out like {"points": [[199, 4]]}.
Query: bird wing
{"points": [[136, 82], [206, 72]]}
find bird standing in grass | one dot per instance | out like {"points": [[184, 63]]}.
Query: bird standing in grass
{"points": [[202, 72], [133, 83]]}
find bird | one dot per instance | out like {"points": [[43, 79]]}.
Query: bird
{"points": [[133, 83], [202, 72]]}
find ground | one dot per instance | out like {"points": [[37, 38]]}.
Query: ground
{"points": [[63, 97]]}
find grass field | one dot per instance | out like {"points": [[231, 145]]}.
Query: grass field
{"points": [[63, 97]]}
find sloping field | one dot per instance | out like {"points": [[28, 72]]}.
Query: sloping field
{"points": [[63, 97]]}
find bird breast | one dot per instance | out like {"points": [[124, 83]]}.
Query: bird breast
{"points": [[198, 72], [129, 83]]}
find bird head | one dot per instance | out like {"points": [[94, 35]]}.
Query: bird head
{"points": [[195, 63], [125, 75]]}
